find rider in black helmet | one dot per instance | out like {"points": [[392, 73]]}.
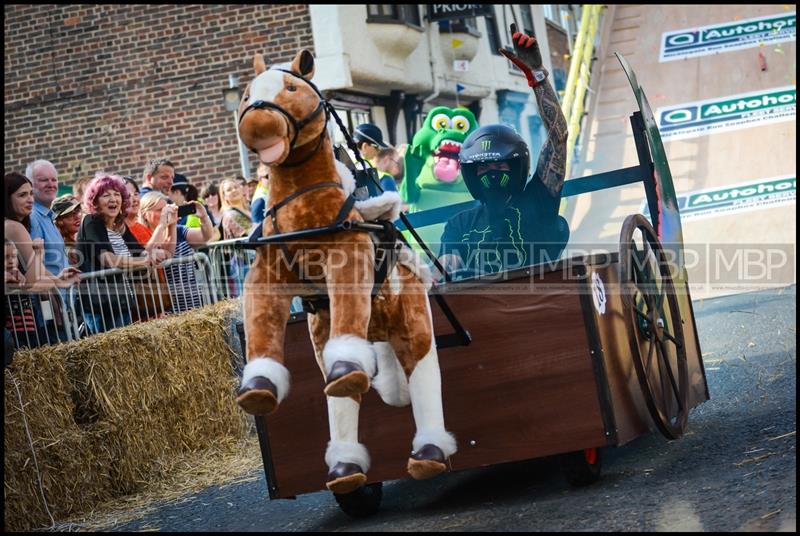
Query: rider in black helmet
{"points": [[517, 223]]}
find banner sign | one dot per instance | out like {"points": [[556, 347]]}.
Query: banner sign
{"points": [[458, 11], [700, 118], [742, 197], [748, 33]]}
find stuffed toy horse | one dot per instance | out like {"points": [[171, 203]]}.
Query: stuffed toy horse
{"points": [[283, 118]]}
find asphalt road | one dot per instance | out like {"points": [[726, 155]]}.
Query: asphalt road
{"points": [[735, 468]]}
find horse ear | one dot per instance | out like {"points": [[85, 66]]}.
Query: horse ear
{"points": [[259, 65], [304, 64]]}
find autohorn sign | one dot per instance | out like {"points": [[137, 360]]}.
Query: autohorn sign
{"points": [[458, 11]]}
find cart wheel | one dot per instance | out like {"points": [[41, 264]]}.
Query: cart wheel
{"points": [[656, 333], [362, 502], [581, 467]]}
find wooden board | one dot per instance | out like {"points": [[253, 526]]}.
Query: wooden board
{"points": [[524, 388]]}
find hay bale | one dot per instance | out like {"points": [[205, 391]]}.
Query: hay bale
{"points": [[111, 413]]}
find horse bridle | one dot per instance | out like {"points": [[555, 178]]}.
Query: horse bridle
{"points": [[297, 125]]}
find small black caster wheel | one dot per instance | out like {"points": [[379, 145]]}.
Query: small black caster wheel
{"points": [[362, 502], [581, 467]]}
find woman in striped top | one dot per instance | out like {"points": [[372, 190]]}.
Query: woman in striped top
{"points": [[181, 276], [104, 241]]}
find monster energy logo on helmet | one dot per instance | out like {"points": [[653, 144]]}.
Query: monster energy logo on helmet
{"points": [[486, 145]]}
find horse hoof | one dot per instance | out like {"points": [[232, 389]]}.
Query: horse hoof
{"points": [[427, 462], [346, 379], [258, 396], [345, 478]]}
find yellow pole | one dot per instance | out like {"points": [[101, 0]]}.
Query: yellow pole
{"points": [[569, 89], [582, 81], [578, 81]]}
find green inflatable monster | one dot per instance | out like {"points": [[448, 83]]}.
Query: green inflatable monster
{"points": [[432, 176]]}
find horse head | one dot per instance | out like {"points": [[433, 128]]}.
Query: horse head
{"points": [[281, 109]]}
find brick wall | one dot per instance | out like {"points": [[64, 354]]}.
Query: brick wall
{"points": [[107, 87]]}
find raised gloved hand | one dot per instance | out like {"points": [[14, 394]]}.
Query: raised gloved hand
{"points": [[526, 56]]}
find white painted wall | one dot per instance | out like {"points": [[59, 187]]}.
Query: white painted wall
{"points": [[378, 58]]}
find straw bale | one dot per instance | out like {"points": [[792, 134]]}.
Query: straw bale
{"points": [[113, 413]]}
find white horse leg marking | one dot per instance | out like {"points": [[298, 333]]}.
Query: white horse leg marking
{"points": [[425, 389], [344, 446], [351, 349], [268, 368], [390, 382]]}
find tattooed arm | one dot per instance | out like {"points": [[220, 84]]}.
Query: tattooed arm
{"points": [[552, 160]]}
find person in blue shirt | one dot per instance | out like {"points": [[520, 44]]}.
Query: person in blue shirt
{"points": [[259, 202], [44, 178]]}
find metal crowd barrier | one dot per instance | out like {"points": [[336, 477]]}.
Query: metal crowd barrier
{"points": [[229, 266], [37, 318], [112, 298]]}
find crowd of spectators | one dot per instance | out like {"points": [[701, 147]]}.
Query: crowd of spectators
{"points": [[114, 221], [109, 221]]}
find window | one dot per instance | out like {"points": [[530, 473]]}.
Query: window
{"points": [[527, 20], [571, 16], [351, 117], [467, 25], [494, 38], [551, 12], [397, 13]]}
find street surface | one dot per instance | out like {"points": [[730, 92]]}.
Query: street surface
{"points": [[735, 469]]}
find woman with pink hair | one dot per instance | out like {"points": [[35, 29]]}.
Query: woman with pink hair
{"points": [[104, 241]]}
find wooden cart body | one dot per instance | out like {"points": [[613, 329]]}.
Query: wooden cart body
{"points": [[546, 373], [549, 368]]}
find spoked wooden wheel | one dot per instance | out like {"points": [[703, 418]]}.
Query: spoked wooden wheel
{"points": [[656, 332]]}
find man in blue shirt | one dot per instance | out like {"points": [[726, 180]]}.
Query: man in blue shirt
{"points": [[158, 175], [44, 177]]}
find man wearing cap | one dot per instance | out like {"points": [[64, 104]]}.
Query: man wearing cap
{"points": [[250, 187], [67, 216], [369, 140], [181, 193]]}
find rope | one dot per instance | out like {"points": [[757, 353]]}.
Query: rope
{"points": [[33, 450]]}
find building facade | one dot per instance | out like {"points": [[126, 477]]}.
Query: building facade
{"points": [[106, 87], [390, 64]]}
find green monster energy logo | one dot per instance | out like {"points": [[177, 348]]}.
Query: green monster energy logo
{"points": [[486, 145], [504, 180], [517, 243]]}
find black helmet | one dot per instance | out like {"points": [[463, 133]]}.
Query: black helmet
{"points": [[369, 133], [495, 143]]}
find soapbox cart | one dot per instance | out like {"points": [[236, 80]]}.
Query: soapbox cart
{"points": [[557, 359]]}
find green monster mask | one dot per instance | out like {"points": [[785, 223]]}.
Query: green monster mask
{"points": [[431, 161]]}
